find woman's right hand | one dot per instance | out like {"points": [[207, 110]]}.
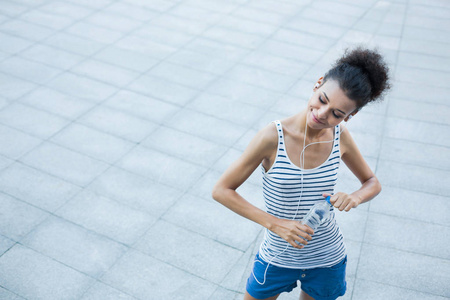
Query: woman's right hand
{"points": [[293, 232]]}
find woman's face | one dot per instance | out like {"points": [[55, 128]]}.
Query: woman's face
{"points": [[328, 106]]}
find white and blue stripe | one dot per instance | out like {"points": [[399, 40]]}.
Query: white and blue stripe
{"points": [[282, 188]]}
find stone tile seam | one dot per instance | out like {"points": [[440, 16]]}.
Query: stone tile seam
{"points": [[398, 286], [17, 295], [403, 218]]}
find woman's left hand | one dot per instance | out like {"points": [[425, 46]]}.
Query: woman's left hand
{"points": [[343, 201]]}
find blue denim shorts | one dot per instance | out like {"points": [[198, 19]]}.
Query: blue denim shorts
{"points": [[320, 283]]}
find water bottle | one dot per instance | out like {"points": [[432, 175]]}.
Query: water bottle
{"points": [[317, 214]]}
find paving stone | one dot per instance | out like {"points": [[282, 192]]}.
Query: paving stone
{"points": [[371, 290], [164, 36], [405, 269], [96, 144], [5, 294], [235, 38], [112, 121], [142, 106], [247, 26], [94, 33], [82, 87], [12, 44], [106, 217], [284, 8], [52, 56], [183, 121], [271, 17], [426, 47], [18, 218], [5, 162], [409, 152], [5, 245], [353, 223], [417, 236], [113, 22], [69, 107], [103, 291], [74, 246], [184, 146], [134, 271], [36, 188], [66, 164], [28, 70], [276, 64], [12, 87], [105, 73], [185, 10], [16, 143], [243, 142], [182, 25], [237, 112], [413, 177], [74, 44], [161, 168], [160, 6], [419, 111], [217, 50], [236, 279], [145, 47], [182, 75], [209, 218], [46, 19], [222, 293], [240, 91], [424, 76], [413, 130], [21, 264], [413, 205], [292, 51], [12, 9], [67, 9], [262, 78], [131, 11], [418, 93], [25, 30], [32, 121], [126, 59], [201, 62], [135, 191], [94, 4], [196, 256], [162, 89], [411, 33]]}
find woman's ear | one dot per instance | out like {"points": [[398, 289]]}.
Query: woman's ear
{"points": [[351, 115], [318, 84]]}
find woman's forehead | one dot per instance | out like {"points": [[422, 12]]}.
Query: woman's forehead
{"points": [[337, 97]]}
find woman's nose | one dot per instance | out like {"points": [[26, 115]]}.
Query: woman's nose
{"points": [[322, 112]]}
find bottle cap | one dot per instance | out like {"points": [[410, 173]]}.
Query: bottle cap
{"points": [[328, 200]]}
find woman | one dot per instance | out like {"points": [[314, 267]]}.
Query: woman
{"points": [[299, 159]]}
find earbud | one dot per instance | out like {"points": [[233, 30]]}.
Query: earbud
{"points": [[349, 117], [316, 86]]}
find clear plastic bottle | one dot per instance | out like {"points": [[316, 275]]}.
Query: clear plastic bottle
{"points": [[317, 214]]}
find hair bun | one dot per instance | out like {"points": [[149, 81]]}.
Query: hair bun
{"points": [[372, 65]]}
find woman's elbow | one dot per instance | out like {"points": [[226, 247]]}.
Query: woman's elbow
{"points": [[216, 192]]}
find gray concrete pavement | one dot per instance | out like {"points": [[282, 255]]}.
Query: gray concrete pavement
{"points": [[118, 116]]}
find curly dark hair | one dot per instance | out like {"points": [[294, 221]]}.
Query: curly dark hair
{"points": [[362, 74]]}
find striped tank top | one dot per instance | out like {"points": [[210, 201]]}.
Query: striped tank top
{"points": [[282, 190]]}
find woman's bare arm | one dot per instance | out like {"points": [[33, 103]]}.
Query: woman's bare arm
{"points": [[260, 147], [370, 186]]}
